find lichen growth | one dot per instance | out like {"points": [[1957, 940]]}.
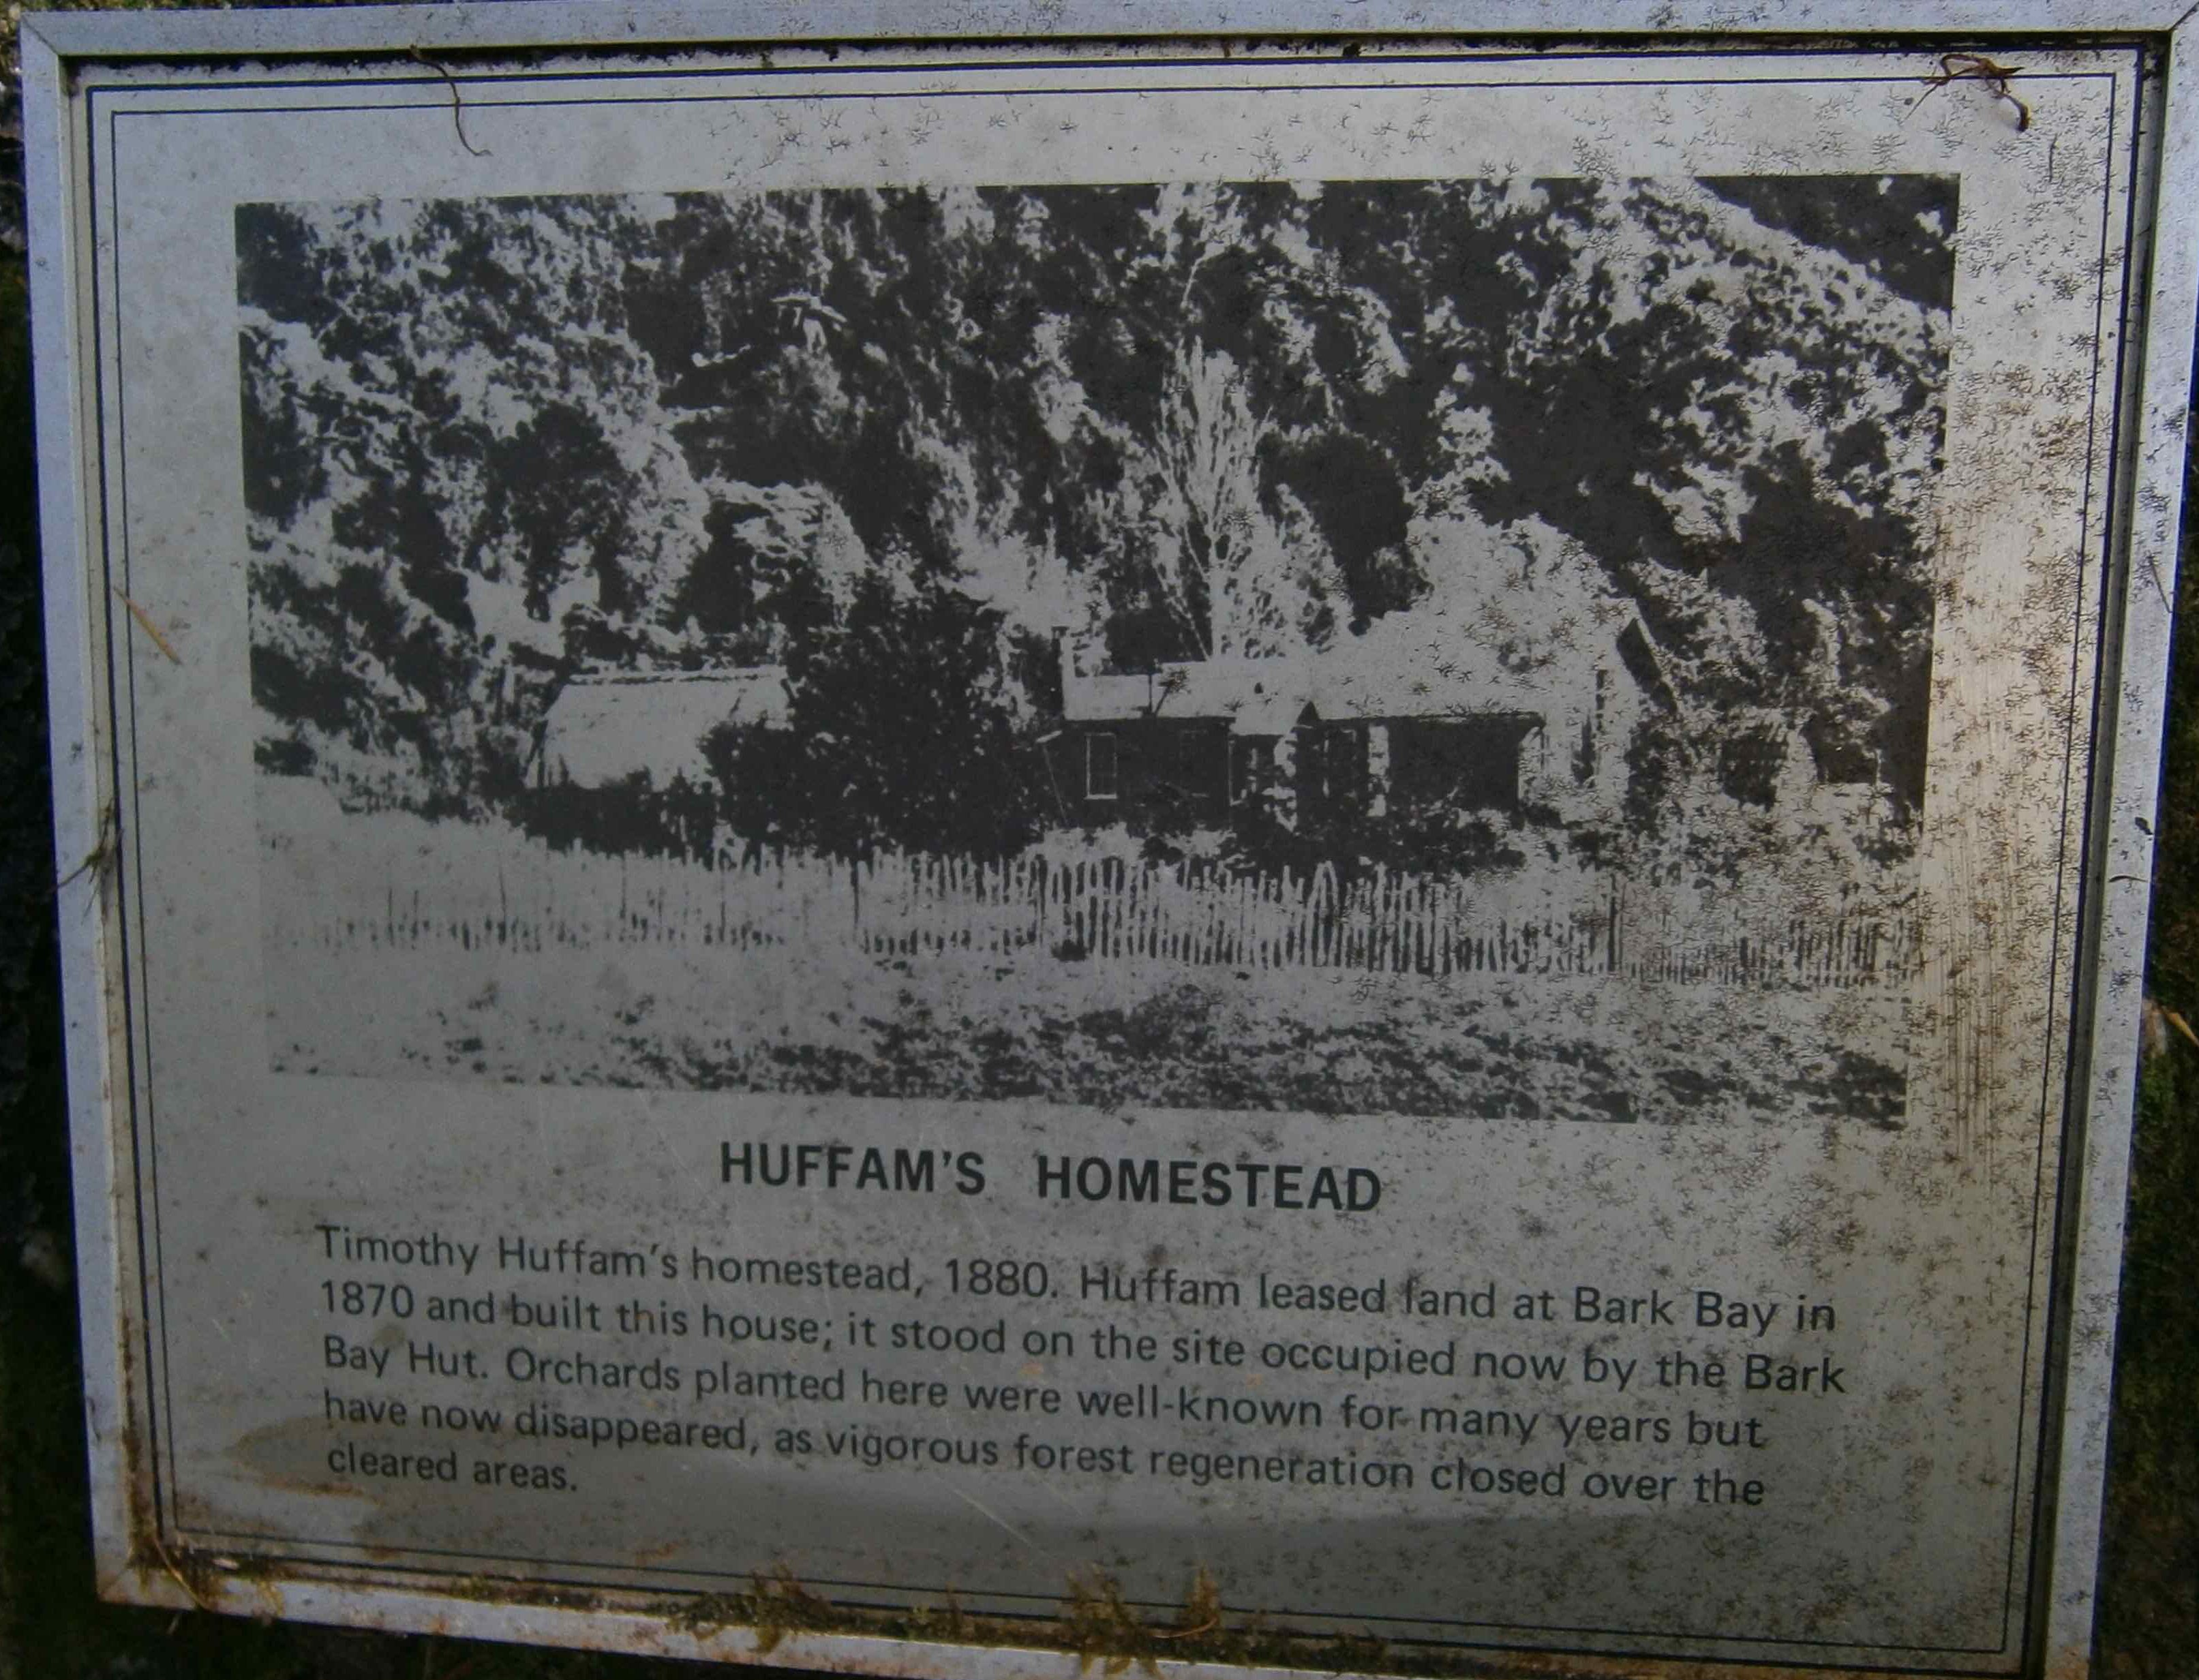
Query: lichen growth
{"points": [[775, 1605]]}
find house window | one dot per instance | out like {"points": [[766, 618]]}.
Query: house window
{"points": [[1332, 765], [1194, 765], [1099, 766]]}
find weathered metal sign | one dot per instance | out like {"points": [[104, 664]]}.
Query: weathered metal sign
{"points": [[1262, 839]]}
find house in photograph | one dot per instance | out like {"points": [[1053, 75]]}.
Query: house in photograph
{"points": [[622, 763], [626, 729], [1374, 728]]}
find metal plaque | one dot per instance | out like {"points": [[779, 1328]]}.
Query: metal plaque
{"points": [[950, 840]]}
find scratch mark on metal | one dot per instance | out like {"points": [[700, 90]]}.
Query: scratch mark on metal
{"points": [[983, 1510]]}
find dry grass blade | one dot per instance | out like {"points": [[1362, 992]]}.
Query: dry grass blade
{"points": [[145, 623], [96, 861], [458, 104], [1977, 67], [168, 1562]]}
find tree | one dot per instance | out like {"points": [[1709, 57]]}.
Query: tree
{"points": [[903, 734], [1241, 567]]}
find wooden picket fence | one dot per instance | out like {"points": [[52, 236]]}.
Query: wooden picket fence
{"points": [[1845, 949], [1110, 910], [538, 899], [1094, 910]]}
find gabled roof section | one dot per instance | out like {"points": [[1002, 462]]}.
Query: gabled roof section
{"points": [[1255, 697], [1108, 698]]}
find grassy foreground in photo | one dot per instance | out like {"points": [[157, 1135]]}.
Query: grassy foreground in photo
{"points": [[399, 947]]}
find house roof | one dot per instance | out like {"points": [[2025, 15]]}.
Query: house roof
{"points": [[1259, 696], [1270, 696], [1516, 620], [606, 728], [1252, 694], [1112, 695]]}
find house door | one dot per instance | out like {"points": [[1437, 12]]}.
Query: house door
{"points": [[1332, 773]]}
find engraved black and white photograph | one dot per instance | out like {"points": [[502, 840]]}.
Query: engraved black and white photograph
{"points": [[1409, 648]]}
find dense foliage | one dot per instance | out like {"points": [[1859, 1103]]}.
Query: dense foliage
{"points": [[489, 443]]}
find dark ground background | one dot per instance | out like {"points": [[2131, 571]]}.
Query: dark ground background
{"points": [[51, 1625]]}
